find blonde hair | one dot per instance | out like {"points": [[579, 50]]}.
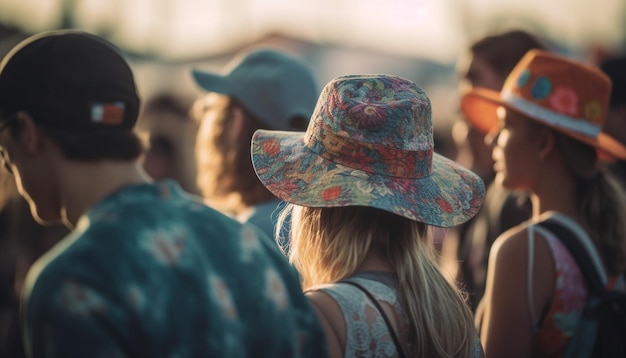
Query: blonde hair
{"points": [[224, 165], [328, 244]]}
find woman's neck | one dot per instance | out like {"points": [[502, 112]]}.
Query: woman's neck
{"points": [[375, 261], [556, 191]]}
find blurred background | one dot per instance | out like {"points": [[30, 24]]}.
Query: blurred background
{"points": [[419, 39], [422, 40]]}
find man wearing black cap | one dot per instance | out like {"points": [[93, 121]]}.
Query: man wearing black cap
{"points": [[148, 270]]}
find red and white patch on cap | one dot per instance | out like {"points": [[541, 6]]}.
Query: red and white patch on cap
{"points": [[108, 113]]}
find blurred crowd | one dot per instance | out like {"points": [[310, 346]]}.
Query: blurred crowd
{"points": [[354, 206]]}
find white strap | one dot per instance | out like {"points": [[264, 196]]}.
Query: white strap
{"points": [[529, 279], [583, 238]]}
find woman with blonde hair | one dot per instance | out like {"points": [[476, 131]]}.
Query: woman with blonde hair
{"points": [[548, 143], [364, 185]]}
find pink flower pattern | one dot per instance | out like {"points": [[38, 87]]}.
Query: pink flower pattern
{"points": [[568, 301], [565, 101]]}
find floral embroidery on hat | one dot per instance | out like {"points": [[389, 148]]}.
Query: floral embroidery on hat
{"points": [[541, 88], [444, 205], [523, 78], [271, 147], [564, 100], [368, 116], [287, 189], [370, 184], [369, 143], [566, 95], [331, 143], [593, 111], [331, 193], [404, 163]]}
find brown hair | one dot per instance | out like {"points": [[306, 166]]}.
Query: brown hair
{"points": [[503, 51], [601, 201], [224, 165]]}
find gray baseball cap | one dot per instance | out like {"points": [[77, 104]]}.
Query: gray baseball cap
{"points": [[271, 85]]}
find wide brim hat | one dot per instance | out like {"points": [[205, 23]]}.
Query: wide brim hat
{"points": [[369, 143], [570, 97]]}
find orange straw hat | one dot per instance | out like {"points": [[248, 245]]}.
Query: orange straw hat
{"points": [[568, 96]]}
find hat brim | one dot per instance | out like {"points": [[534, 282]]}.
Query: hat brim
{"points": [[212, 82], [480, 106], [450, 196]]}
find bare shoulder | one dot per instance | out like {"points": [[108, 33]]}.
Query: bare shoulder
{"points": [[321, 300], [510, 243], [506, 297], [507, 292], [327, 307], [331, 318], [513, 245]]}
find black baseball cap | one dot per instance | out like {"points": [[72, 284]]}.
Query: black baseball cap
{"points": [[69, 80]]}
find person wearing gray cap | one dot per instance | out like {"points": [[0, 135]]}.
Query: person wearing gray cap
{"points": [[148, 270], [261, 89]]}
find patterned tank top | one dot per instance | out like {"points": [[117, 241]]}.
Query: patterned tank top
{"points": [[558, 322], [367, 334]]}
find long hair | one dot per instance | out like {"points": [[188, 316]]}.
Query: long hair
{"points": [[601, 201], [224, 165], [329, 244]]}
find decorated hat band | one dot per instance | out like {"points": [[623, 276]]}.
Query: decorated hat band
{"points": [[568, 96], [368, 157], [578, 125]]}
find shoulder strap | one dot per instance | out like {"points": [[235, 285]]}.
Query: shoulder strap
{"points": [[580, 254], [396, 341]]}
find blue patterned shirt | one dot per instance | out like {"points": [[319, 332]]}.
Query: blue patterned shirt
{"points": [[150, 271]]}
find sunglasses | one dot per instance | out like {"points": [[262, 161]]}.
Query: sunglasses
{"points": [[6, 124]]}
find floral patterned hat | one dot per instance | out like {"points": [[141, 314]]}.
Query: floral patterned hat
{"points": [[369, 143], [568, 96]]}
